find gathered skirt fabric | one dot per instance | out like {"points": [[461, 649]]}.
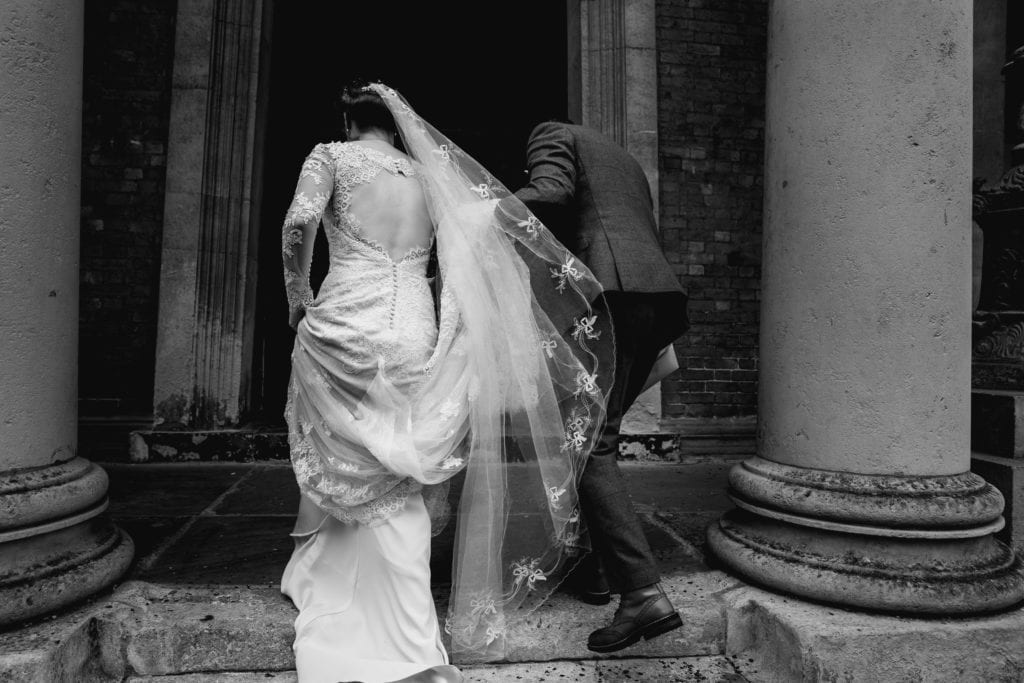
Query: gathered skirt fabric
{"points": [[365, 607]]}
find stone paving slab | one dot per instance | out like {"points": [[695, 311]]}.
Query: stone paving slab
{"points": [[225, 550], [174, 630], [213, 541], [674, 670], [783, 639], [158, 631], [168, 490], [222, 677], [228, 523]]}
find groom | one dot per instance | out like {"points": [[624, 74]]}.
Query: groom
{"points": [[595, 198]]}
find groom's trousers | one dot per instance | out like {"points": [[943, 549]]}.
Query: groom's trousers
{"points": [[615, 530]]}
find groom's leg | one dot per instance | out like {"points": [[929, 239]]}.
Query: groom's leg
{"points": [[615, 529]]}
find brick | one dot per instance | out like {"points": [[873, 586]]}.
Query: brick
{"points": [[711, 85], [126, 105]]}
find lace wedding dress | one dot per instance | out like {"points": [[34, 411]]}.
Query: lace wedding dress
{"points": [[501, 376], [363, 590]]}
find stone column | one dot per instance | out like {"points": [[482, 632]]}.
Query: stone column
{"points": [[861, 492], [56, 543], [209, 250]]}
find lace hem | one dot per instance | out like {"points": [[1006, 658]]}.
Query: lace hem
{"points": [[369, 514]]}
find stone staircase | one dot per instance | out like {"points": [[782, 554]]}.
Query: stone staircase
{"points": [[202, 602], [150, 632]]}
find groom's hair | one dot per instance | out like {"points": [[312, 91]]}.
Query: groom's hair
{"points": [[366, 108]]}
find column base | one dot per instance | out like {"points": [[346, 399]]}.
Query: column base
{"points": [[57, 542], [58, 490], [45, 572], [923, 576], [949, 502]]}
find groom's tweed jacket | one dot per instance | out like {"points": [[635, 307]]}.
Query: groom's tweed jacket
{"points": [[595, 198]]}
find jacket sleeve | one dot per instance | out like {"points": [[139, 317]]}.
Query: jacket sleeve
{"points": [[551, 162]]}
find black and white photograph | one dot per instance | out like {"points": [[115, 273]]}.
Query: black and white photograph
{"points": [[557, 340]]}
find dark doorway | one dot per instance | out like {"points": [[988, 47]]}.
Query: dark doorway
{"points": [[482, 73]]}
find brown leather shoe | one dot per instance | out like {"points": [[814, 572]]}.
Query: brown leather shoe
{"points": [[642, 613]]}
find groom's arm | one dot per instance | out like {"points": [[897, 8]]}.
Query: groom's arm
{"points": [[550, 160]]}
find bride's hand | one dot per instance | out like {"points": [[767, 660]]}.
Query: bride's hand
{"points": [[295, 317]]}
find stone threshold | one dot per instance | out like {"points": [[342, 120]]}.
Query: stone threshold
{"points": [[732, 632], [718, 669], [681, 444]]}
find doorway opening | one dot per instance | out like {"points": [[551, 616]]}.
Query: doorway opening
{"points": [[482, 74]]}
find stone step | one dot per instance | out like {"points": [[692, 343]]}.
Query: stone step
{"points": [[147, 633], [242, 629], [712, 669], [158, 631]]}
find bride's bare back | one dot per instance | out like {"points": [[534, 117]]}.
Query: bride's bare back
{"points": [[391, 210]]}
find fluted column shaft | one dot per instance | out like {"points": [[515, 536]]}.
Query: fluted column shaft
{"points": [[56, 543], [861, 493]]}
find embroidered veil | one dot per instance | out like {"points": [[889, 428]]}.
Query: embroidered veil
{"points": [[513, 395]]}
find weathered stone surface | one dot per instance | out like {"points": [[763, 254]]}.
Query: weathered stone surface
{"points": [[238, 635], [671, 670], [961, 500], [45, 572], [228, 522], [203, 358], [70, 647], [56, 544], [915, 575], [167, 631], [222, 677], [559, 629], [33, 495], [783, 639], [676, 670], [681, 670]]}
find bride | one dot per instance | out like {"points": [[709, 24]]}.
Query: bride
{"points": [[497, 373]]}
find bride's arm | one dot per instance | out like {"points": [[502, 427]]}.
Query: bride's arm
{"points": [[316, 183]]}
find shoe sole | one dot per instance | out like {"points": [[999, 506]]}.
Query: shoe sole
{"points": [[594, 598], [654, 629]]}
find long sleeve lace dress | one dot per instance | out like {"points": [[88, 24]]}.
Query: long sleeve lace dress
{"points": [[504, 379], [360, 572]]}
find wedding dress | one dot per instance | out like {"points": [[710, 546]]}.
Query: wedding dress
{"points": [[363, 590], [500, 377]]}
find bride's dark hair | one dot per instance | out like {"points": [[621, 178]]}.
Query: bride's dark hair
{"points": [[365, 108]]}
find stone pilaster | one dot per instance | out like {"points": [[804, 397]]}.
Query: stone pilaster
{"points": [[613, 58], [861, 493], [618, 72], [209, 250], [57, 545]]}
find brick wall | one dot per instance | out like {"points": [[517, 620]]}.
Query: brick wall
{"points": [[129, 48], [711, 70]]}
